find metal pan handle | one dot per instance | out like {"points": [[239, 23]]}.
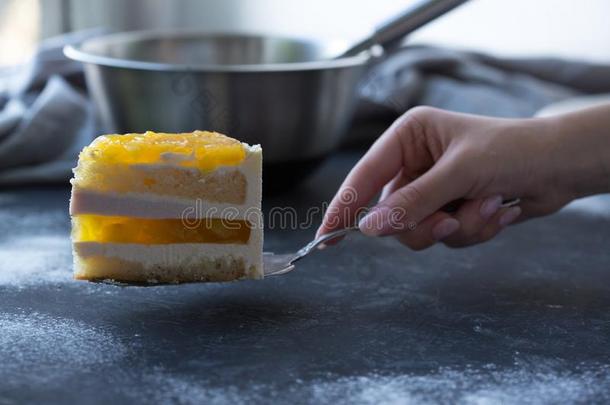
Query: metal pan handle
{"points": [[414, 17]]}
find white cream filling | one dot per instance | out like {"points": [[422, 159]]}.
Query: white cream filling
{"points": [[140, 205]]}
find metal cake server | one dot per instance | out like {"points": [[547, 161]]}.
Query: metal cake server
{"points": [[274, 265]]}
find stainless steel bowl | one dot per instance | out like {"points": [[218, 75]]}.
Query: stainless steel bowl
{"points": [[286, 94]]}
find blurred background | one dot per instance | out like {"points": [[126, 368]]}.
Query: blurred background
{"points": [[565, 28], [530, 58]]}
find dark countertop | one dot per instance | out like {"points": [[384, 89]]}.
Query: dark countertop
{"points": [[524, 318]]}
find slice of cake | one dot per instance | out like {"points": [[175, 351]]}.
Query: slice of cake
{"points": [[167, 208]]}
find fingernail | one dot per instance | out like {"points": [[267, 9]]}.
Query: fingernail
{"points": [[375, 222], [445, 228], [509, 216], [490, 206], [322, 246]]}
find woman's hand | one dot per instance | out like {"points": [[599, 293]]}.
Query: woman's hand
{"points": [[429, 158]]}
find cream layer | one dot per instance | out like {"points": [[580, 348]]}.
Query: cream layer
{"points": [[155, 206]]}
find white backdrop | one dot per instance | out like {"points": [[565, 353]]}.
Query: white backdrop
{"points": [[570, 28]]}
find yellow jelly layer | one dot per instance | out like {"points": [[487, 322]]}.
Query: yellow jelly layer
{"points": [[201, 149], [111, 229]]}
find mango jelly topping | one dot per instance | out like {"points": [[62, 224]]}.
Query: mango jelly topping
{"points": [[200, 149], [111, 229]]}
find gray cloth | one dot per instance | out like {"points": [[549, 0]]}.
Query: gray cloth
{"points": [[46, 117], [471, 83]]}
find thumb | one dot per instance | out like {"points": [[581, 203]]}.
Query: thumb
{"points": [[406, 207]]}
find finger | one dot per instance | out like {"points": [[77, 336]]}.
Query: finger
{"points": [[397, 182], [435, 228], [510, 216], [503, 218], [378, 166], [473, 216], [412, 203]]}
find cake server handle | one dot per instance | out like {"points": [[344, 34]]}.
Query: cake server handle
{"points": [[305, 250], [276, 264]]}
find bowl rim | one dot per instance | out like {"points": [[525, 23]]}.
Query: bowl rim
{"points": [[77, 53]]}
